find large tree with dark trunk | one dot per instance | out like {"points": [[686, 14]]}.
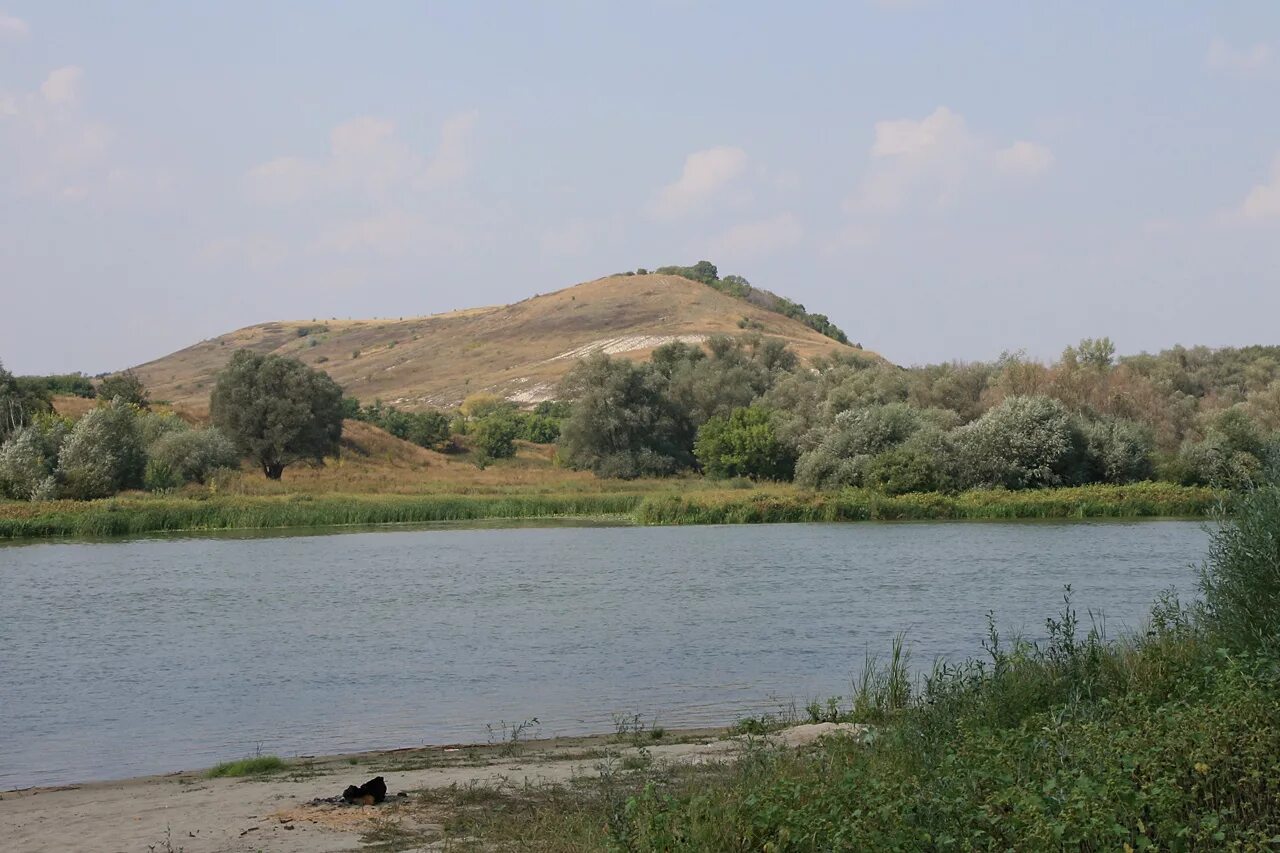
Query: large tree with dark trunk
{"points": [[277, 410]]}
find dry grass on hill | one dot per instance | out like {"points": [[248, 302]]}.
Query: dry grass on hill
{"points": [[519, 351], [374, 461]]}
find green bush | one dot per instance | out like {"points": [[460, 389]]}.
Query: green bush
{"points": [[539, 429], [1117, 451], [192, 455], [494, 437], [160, 477], [911, 467], [1025, 442], [844, 450], [153, 425], [744, 444], [29, 459], [103, 454], [125, 386], [1240, 581]]}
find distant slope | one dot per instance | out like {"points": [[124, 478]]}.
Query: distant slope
{"points": [[519, 351]]}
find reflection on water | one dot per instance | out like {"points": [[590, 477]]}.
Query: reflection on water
{"points": [[147, 656]]}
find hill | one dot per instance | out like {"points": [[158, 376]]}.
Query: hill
{"points": [[519, 351]]}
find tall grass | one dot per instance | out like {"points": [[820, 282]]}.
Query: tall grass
{"points": [[259, 765], [653, 503], [119, 516], [1098, 501]]}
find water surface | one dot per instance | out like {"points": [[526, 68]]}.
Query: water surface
{"points": [[132, 657]]}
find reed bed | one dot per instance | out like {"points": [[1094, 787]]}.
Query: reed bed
{"points": [[132, 515], [128, 516], [1140, 500]]}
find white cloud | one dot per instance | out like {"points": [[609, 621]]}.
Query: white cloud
{"points": [[1024, 158], [367, 157], [932, 160], [452, 161], [1241, 61], [62, 86], [756, 239], [13, 28], [49, 147], [397, 233], [1263, 201], [706, 173]]}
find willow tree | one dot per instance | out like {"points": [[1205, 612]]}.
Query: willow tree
{"points": [[277, 410]]}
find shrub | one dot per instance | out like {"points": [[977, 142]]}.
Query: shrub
{"points": [[539, 429], [493, 437], [192, 455], [29, 460], [845, 449], [911, 467], [103, 454], [125, 386], [630, 464], [481, 405], [1117, 451], [153, 425], [1240, 581], [160, 477], [622, 425], [1233, 454], [428, 428], [1025, 442], [744, 444]]}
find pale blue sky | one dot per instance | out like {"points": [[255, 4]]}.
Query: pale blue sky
{"points": [[944, 179]]}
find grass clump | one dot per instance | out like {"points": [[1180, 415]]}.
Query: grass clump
{"points": [[258, 765]]}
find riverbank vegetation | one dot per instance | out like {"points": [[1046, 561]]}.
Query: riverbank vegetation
{"points": [[258, 765], [747, 407], [643, 502], [1163, 740], [737, 430]]}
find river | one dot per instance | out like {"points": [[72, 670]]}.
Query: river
{"points": [[150, 655]]}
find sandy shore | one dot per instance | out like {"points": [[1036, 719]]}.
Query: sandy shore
{"points": [[187, 812]]}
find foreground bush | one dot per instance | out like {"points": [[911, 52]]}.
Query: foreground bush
{"points": [[1241, 579]]}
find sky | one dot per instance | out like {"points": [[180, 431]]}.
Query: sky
{"points": [[945, 180]]}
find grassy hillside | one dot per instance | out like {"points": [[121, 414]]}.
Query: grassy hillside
{"points": [[519, 351]]}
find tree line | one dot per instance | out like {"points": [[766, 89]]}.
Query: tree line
{"points": [[747, 407], [738, 287], [738, 407]]}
